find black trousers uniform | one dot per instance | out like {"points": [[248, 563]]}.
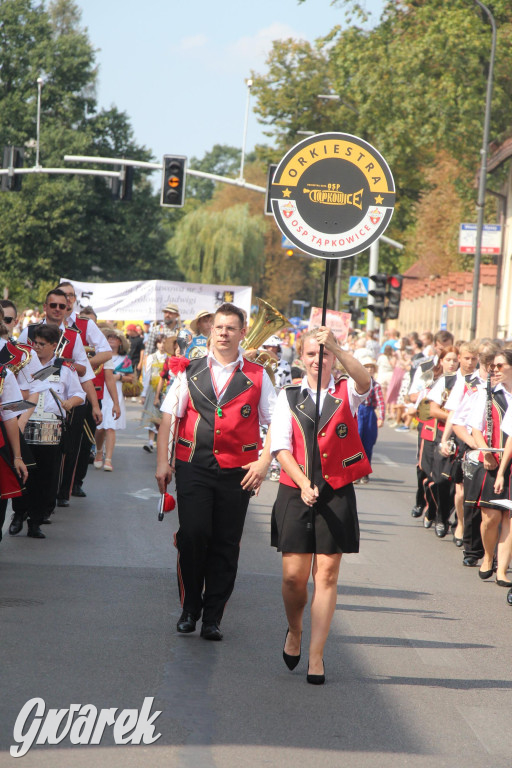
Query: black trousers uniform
{"points": [[43, 480], [212, 507], [76, 435]]}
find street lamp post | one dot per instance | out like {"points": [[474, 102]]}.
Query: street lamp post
{"points": [[246, 121], [38, 127], [483, 175]]}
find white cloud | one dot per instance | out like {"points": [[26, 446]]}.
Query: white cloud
{"points": [[193, 42], [252, 50]]}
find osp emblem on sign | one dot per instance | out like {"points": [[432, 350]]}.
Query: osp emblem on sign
{"points": [[333, 195]]}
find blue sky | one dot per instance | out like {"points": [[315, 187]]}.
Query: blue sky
{"points": [[179, 68]]}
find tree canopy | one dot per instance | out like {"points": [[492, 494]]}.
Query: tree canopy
{"points": [[68, 224], [413, 85]]}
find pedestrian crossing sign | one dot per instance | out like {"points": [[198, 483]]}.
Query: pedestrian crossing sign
{"points": [[358, 286]]}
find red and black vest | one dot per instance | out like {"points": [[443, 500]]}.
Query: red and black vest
{"points": [[224, 432], [81, 324], [9, 482], [70, 336], [499, 438], [341, 456]]}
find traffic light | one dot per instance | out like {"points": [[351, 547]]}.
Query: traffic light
{"points": [[121, 188], [355, 312], [379, 295], [13, 158], [394, 292], [173, 181]]}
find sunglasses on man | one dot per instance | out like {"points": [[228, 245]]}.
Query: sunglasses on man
{"points": [[8, 319], [54, 305]]}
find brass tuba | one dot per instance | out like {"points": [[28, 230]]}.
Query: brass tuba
{"points": [[268, 321]]}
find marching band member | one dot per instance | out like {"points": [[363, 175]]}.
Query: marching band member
{"points": [[459, 422], [441, 485], [314, 523], [422, 379], [99, 353], [44, 433], [56, 311], [486, 421], [220, 401], [13, 472], [467, 377]]}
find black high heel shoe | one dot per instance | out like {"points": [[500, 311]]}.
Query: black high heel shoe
{"points": [[316, 679], [291, 661]]}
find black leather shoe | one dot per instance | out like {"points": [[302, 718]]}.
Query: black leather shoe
{"points": [[77, 491], [486, 574], [470, 562], [458, 542], [16, 525], [316, 679], [440, 530], [290, 660], [427, 523], [35, 532], [46, 521], [416, 511], [211, 632], [62, 503], [503, 583], [186, 623]]}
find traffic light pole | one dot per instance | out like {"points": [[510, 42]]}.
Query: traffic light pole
{"points": [[159, 167], [372, 270]]}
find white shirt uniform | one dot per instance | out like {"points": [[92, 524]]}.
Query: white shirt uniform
{"points": [[10, 393], [221, 374], [457, 394], [94, 337], [79, 354], [65, 384], [281, 435]]}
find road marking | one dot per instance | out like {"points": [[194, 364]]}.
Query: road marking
{"points": [[384, 460], [144, 493]]}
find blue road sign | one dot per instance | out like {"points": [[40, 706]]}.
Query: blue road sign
{"points": [[358, 286]]}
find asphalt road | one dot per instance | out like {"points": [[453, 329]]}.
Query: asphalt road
{"points": [[418, 662]]}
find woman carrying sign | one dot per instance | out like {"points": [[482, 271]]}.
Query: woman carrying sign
{"points": [[314, 523]]}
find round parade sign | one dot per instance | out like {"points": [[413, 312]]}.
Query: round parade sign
{"points": [[332, 195]]}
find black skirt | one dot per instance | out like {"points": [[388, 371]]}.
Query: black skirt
{"points": [[480, 488], [335, 529]]}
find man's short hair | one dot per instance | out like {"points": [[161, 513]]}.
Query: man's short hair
{"points": [[48, 332], [56, 292], [231, 309], [443, 337], [66, 282]]}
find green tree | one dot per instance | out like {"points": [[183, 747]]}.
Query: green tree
{"points": [[221, 246], [68, 225], [221, 160], [413, 85]]}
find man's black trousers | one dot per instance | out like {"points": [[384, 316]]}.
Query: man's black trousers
{"points": [[211, 509]]}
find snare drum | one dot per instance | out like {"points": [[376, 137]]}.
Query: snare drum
{"points": [[43, 432]]}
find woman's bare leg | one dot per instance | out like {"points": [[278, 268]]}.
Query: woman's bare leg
{"points": [[325, 576], [296, 570]]}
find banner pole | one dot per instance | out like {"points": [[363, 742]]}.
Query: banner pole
{"points": [[319, 385]]}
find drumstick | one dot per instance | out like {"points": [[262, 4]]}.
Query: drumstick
{"points": [[61, 401]]}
